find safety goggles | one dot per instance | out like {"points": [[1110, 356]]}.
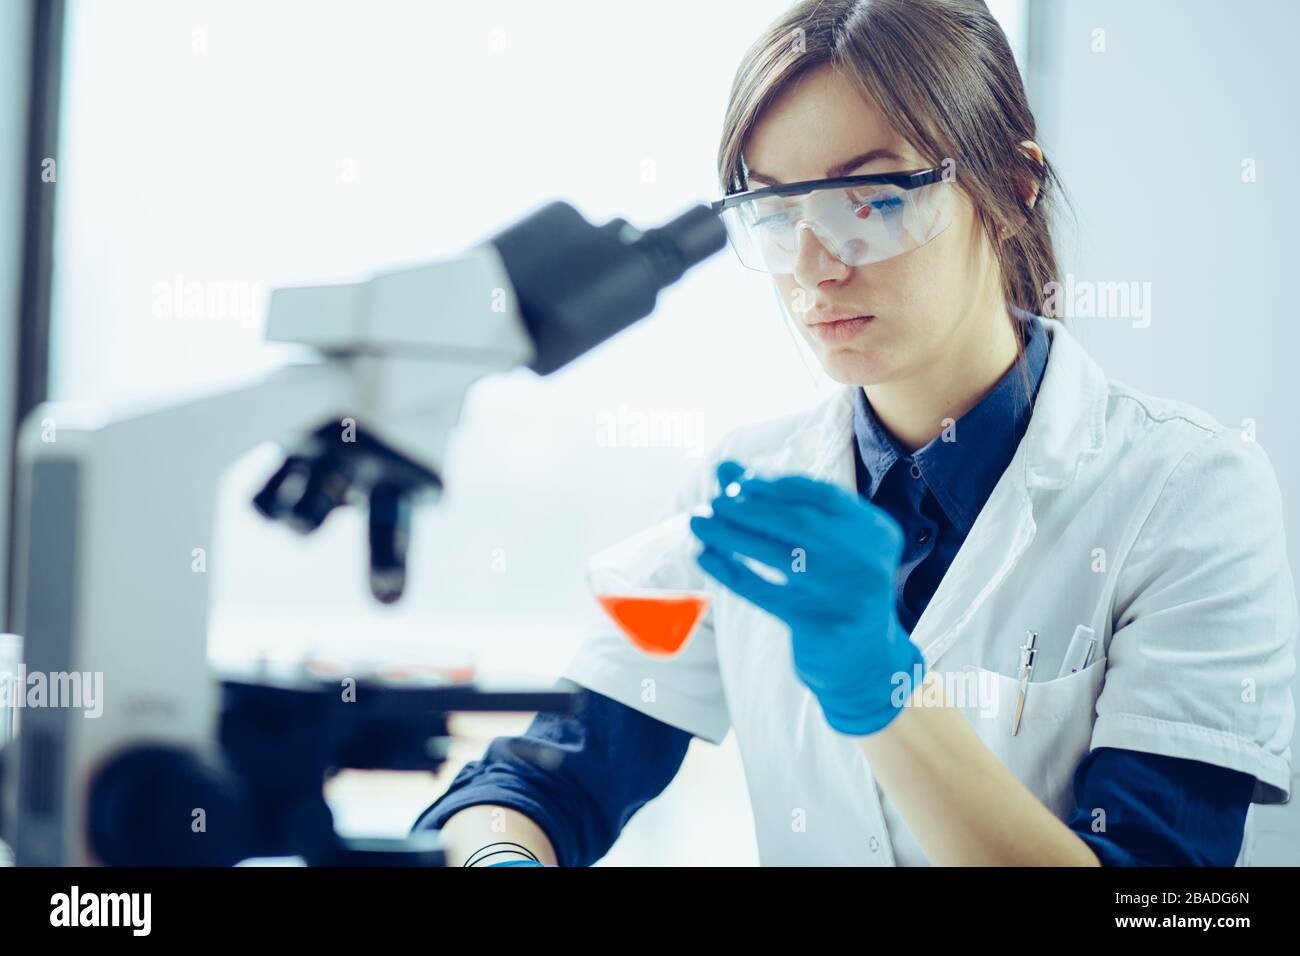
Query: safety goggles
{"points": [[859, 219]]}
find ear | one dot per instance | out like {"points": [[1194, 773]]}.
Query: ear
{"points": [[1029, 190], [1029, 193]]}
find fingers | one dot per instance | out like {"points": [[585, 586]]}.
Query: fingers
{"points": [[797, 489], [807, 504], [793, 489], [731, 538], [830, 564], [790, 525], [731, 573], [796, 511], [729, 471]]}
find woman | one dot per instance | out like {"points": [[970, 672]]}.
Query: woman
{"points": [[978, 478]]}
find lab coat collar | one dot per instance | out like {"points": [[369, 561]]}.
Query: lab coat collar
{"points": [[1068, 426], [1067, 429], [961, 474]]}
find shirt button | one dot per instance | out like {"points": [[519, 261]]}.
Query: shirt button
{"points": [[923, 536], [874, 844], [916, 470]]}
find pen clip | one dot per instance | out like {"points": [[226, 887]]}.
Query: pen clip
{"points": [[1028, 653]]}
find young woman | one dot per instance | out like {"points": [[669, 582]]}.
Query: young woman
{"points": [[1025, 615]]}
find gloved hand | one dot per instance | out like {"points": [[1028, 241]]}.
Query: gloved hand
{"points": [[839, 554]]}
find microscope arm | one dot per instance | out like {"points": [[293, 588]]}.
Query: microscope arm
{"points": [[112, 508]]}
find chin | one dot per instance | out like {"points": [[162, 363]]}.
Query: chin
{"points": [[850, 367]]}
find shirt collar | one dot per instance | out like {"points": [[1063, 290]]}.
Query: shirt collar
{"points": [[962, 472]]}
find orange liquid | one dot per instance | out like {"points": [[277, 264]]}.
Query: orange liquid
{"points": [[657, 625]]}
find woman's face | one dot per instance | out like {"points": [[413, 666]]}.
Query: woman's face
{"points": [[924, 304]]}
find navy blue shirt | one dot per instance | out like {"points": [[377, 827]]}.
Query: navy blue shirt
{"points": [[936, 492], [581, 777]]}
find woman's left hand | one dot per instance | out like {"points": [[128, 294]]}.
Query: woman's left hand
{"points": [[839, 555]]}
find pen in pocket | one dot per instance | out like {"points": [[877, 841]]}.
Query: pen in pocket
{"points": [[1028, 657], [1079, 653]]}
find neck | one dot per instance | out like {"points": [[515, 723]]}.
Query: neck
{"points": [[976, 355]]}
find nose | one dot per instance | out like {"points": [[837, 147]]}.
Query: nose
{"points": [[813, 262]]}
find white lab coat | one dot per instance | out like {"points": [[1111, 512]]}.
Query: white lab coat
{"points": [[1141, 517]]}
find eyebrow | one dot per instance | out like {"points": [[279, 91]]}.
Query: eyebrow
{"points": [[842, 169]]}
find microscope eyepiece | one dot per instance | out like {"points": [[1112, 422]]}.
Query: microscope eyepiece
{"points": [[686, 241], [578, 284]]}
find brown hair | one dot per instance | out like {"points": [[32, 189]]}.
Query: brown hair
{"points": [[943, 75]]}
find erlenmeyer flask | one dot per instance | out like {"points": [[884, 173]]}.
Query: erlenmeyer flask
{"points": [[651, 587]]}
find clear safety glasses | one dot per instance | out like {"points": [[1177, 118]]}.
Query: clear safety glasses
{"points": [[859, 219]]}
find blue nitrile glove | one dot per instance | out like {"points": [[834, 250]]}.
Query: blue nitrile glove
{"points": [[839, 554], [518, 863]]}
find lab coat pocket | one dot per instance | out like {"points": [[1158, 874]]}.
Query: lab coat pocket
{"points": [[1055, 726]]}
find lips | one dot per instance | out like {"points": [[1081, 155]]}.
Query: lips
{"points": [[825, 318], [840, 330]]}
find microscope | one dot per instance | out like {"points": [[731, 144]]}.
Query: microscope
{"points": [[185, 767]]}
